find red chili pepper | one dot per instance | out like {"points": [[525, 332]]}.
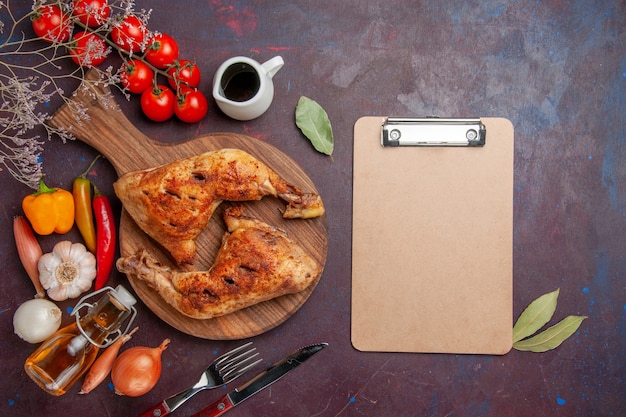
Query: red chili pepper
{"points": [[106, 238]]}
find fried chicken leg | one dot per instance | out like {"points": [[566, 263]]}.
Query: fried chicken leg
{"points": [[256, 262], [173, 203]]}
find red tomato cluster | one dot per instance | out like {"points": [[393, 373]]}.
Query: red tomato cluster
{"points": [[148, 55]]}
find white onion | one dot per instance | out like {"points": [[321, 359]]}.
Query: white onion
{"points": [[35, 320]]}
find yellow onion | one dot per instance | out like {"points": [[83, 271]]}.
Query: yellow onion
{"points": [[137, 370]]}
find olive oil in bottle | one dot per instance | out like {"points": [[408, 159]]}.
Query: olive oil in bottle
{"points": [[66, 355]]}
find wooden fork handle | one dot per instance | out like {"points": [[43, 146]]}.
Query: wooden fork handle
{"points": [[158, 410]]}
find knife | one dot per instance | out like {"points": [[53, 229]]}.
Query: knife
{"points": [[259, 382]]}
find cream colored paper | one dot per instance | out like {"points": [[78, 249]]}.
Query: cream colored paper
{"points": [[432, 244]]}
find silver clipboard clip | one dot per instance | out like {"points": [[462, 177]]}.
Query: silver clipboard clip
{"points": [[397, 131]]}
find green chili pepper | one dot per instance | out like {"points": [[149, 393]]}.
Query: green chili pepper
{"points": [[81, 189]]}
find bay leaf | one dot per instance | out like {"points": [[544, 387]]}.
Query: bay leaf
{"points": [[551, 337], [314, 123], [535, 316]]}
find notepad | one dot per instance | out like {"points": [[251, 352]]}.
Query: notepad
{"points": [[432, 243]]}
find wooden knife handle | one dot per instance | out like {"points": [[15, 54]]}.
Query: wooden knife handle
{"points": [[215, 409], [158, 410]]}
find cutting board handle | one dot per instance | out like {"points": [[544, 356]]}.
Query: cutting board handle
{"points": [[106, 128]]}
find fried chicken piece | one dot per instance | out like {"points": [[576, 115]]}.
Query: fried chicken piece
{"points": [[256, 262], [173, 203]]}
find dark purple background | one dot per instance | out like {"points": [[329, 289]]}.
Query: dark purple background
{"points": [[556, 69]]}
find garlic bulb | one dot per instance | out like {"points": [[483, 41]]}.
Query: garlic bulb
{"points": [[67, 271]]}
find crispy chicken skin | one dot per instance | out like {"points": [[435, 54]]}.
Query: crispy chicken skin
{"points": [[173, 203], [256, 262]]}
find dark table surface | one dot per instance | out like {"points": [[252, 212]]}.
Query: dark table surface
{"points": [[556, 69]]}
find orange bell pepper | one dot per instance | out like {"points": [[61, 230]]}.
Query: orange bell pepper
{"points": [[49, 210]]}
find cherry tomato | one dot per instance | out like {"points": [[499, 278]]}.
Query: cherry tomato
{"points": [[92, 13], [186, 72], [162, 50], [191, 105], [136, 76], [51, 24], [158, 103], [129, 34], [88, 49]]}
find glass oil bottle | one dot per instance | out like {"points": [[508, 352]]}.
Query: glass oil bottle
{"points": [[66, 355]]}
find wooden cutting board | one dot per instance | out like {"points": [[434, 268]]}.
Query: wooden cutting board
{"points": [[113, 135]]}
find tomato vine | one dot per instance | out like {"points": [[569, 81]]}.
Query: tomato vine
{"points": [[86, 32]]}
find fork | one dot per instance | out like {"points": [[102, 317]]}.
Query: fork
{"points": [[222, 370]]}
